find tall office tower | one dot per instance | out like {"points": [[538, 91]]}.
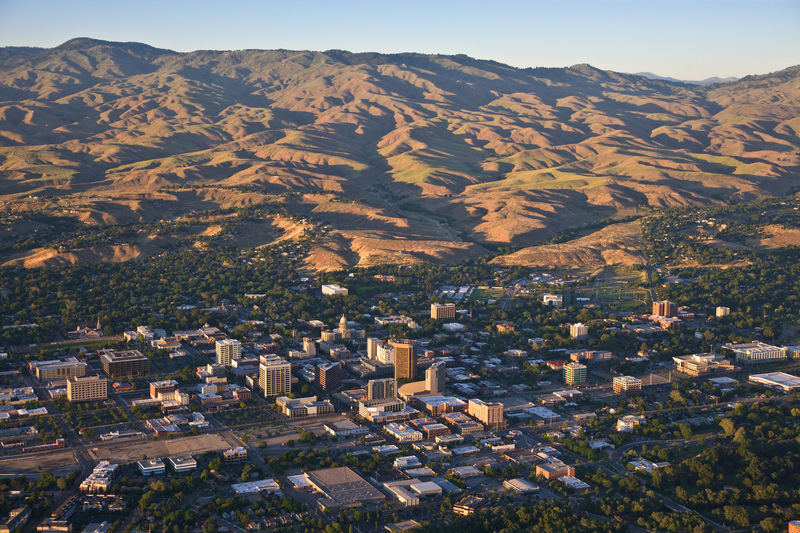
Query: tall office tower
{"points": [[275, 376], [309, 347], [329, 375], [228, 350], [435, 378], [385, 353], [382, 389], [575, 373], [126, 363], [578, 331], [372, 347], [489, 413], [405, 359], [664, 308]]}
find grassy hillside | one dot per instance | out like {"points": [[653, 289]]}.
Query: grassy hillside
{"points": [[471, 153]]}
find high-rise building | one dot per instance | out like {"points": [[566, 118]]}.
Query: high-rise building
{"points": [[443, 311], [488, 413], [81, 389], [385, 353], [435, 378], [274, 376], [58, 369], [227, 350], [382, 389], [579, 331], [723, 311], [328, 375], [127, 363], [372, 347], [664, 308], [575, 373], [405, 359], [309, 347]]}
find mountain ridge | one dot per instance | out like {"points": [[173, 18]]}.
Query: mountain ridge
{"points": [[464, 150], [704, 82]]}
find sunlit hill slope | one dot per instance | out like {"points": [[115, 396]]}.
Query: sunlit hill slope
{"points": [[447, 153]]}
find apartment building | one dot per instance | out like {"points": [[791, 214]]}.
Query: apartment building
{"points": [[578, 331], [665, 308], [435, 378], [309, 347], [275, 376], [384, 352], [86, 388], [372, 347], [443, 311], [382, 389], [228, 350], [488, 413]]}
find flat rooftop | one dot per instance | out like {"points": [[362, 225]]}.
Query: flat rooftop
{"points": [[183, 461], [342, 425], [435, 401], [151, 463], [780, 379], [574, 482], [344, 487], [127, 355]]}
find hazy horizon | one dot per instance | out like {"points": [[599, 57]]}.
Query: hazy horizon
{"points": [[688, 40]]}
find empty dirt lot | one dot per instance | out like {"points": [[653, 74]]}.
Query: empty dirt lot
{"points": [[59, 462], [133, 451]]}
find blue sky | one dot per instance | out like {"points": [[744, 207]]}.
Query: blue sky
{"points": [[686, 39]]}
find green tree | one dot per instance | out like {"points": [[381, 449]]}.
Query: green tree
{"points": [[727, 426]]}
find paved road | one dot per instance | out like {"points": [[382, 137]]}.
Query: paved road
{"points": [[649, 269]]}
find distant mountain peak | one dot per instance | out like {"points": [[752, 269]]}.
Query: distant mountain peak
{"points": [[706, 81], [85, 43]]}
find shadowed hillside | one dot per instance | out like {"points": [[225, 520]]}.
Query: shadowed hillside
{"points": [[452, 153]]}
